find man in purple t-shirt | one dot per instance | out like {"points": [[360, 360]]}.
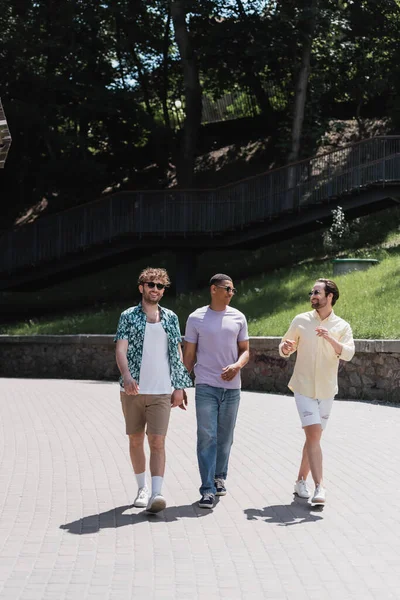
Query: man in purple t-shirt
{"points": [[217, 346]]}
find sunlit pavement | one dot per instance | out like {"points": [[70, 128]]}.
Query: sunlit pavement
{"points": [[68, 528]]}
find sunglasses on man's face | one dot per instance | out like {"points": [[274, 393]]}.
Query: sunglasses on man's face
{"points": [[152, 285], [227, 288], [314, 293]]}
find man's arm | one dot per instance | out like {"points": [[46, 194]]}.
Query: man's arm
{"points": [[130, 385], [289, 341], [344, 348], [178, 396], [231, 371], [189, 355]]}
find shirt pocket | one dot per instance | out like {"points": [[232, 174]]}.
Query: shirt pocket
{"points": [[336, 332]]}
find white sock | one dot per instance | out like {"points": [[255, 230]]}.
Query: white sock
{"points": [[141, 479], [156, 484]]}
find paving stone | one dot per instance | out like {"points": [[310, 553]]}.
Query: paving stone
{"points": [[68, 530]]}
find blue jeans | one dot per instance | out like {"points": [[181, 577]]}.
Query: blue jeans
{"points": [[216, 412]]}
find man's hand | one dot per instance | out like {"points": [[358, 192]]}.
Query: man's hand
{"points": [[229, 372], [322, 332], [178, 398], [130, 386], [288, 346]]}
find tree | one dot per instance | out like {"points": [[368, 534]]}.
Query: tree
{"points": [[307, 25], [192, 89]]}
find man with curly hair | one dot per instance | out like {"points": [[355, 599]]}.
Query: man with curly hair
{"points": [[149, 358]]}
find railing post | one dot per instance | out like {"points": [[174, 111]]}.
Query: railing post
{"points": [[329, 186], [243, 203], [10, 262], [110, 220], [384, 162], [84, 233], [185, 207], [34, 244], [165, 215], [140, 216], [59, 236], [211, 212]]}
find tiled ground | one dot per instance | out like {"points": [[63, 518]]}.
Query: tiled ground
{"points": [[68, 531]]}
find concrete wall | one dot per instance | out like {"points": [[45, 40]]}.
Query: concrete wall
{"points": [[373, 374]]}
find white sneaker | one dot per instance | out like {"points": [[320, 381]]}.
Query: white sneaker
{"points": [[156, 503], [142, 498], [319, 495], [301, 489]]}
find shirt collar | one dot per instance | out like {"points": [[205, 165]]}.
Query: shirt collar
{"points": [[316, 316], [162, 310]]}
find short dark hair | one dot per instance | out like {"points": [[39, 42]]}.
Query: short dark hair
{"points": [[330, 288], [218, 278]]}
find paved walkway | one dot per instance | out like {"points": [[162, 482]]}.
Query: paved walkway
{"points": [[68, 530]]}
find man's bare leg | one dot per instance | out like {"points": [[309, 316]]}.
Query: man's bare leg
{"points": [[157, 468], [136, 451], [138, 459], [312, 454], [157, 454], [304, 465]]}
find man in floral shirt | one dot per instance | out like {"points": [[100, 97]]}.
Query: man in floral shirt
{"points": [[149, 357]]}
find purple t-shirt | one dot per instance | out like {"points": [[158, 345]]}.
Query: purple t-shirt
{"points": [[216, 333]]}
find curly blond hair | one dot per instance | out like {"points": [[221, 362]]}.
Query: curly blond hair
{"points": [[150, 274]]}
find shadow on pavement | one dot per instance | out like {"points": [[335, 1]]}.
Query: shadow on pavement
{"points": [[296, 513], [117, 517]]}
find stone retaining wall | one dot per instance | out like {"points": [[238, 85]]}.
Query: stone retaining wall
{"points": [[373, 374]]}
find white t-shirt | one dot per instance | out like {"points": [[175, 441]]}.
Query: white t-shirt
{"points": [[155, 373]]}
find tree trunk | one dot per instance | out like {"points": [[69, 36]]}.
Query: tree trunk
{"points": [[309, 16], [252, 79], [143, 79], [118, 46], [193, 106], [164, 93]]}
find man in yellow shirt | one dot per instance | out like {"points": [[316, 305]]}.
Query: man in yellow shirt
{"points": [[320, 338]]}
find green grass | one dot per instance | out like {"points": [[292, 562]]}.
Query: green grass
{"points": [[270, 292], [368, 300]]}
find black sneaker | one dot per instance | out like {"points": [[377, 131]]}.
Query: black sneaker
{"points": [[207, 501], [220, 486]]}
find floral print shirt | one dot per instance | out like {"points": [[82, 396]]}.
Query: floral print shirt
{"points": [[131, 327]]}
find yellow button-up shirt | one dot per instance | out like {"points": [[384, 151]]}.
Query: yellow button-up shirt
{"points": [[315, 372]]}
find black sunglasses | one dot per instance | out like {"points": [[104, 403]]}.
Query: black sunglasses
{"points": [[314, 293], [228, 288], [151, 285]]}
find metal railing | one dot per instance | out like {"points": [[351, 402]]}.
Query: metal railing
{"points": [[5, 137], [188, 213]]}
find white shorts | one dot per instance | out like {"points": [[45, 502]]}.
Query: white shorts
{"points": [[313, 411]]}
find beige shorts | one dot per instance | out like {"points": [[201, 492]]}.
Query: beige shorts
{"points": [[151, 409]]}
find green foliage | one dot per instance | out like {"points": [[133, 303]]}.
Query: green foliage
{"points": [[338, 235], [89, 87]]}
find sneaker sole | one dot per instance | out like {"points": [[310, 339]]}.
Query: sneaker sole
{"points": [[317, 501], [304, 497], [220, 493], [210, 506], [157, 506], [140, 504]]}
